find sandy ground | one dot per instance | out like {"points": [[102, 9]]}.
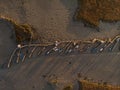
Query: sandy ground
{"points": [[53, 18], [37, 73]]}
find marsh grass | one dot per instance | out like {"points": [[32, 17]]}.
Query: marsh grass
{"points": [[92, 11]]}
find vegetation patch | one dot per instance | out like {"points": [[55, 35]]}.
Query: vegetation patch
{"points": [[86, 85], [92, 11], [69, 87], [23, 32]]}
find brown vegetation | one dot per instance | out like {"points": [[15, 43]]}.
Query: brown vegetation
{"points": [[86, 85], [69, 87], [91, 11], [23, 32]]}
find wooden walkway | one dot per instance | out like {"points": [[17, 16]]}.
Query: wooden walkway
{"points": [[95, 46]]}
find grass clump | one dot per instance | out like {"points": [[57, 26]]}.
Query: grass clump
{"points": [[69, 87], [23, 32], [92, 11], [86, 85]]}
